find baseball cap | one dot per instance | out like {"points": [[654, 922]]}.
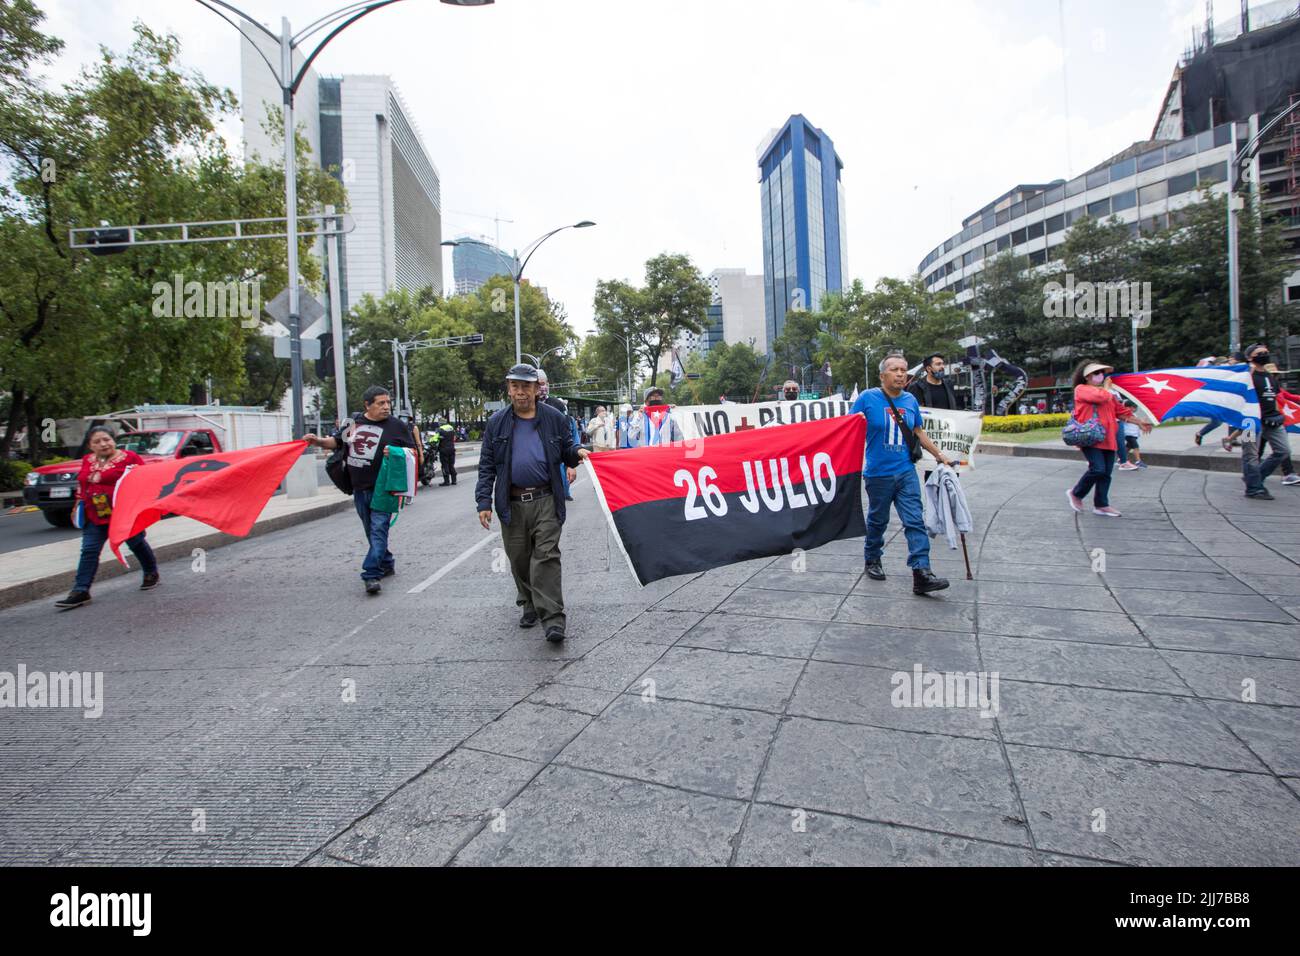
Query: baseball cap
{"points": [[523, 372]]}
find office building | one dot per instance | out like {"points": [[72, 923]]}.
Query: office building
{"points": [[804, 239], [474, 261], [359, 128], [1220, 95], [735, 314]]}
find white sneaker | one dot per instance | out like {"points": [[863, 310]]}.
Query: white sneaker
{"points": [[1291, 480], [1075, 503], [1106, 512], [1127, 466]]}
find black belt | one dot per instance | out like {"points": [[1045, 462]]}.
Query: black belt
{"points": [[528, 494]]}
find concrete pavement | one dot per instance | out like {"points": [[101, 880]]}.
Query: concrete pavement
{"points": [[266, 711]]}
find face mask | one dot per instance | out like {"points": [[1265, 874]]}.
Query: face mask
{"points": [[938, 373], [791, 395], [1261, 358], [1097, 378]]}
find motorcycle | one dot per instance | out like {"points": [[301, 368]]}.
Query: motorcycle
{"points": [[429, 466]]}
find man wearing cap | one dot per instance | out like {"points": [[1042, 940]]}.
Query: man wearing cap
{"points": [[652, 426], [525, 446]]}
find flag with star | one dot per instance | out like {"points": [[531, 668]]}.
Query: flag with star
{"points": [[1225, 392], [1289, 405]]}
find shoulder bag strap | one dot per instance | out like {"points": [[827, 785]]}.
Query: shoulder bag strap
{"points": [[908, 435]]}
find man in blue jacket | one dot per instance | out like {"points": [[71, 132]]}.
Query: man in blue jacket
{"points": [[524, 448]]}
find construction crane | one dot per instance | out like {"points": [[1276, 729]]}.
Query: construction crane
{"points": [[478, 215]]}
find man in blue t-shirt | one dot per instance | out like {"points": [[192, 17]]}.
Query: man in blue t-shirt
{"points": [[890, 475]]}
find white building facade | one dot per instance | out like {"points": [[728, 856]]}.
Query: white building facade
{"points": [[360, 129]]}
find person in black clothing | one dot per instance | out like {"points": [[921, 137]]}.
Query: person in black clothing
{"points": [[367, 435], [933, 389], [524, 449], [1272, 428], [445, 433]]}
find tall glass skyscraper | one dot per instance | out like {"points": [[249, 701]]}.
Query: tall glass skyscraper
{"points": [[804, 242], [473, 262]]}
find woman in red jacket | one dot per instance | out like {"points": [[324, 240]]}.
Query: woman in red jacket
{"points": [[1094, 393], [101, 470]]}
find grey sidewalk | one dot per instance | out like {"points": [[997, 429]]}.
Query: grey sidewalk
{"points": [[740, 716]]}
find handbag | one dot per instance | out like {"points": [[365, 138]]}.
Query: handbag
{"points": [[336, 466], [913, 446], [1078, 434]]}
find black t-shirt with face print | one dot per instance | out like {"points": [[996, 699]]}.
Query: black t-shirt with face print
{"points": [[366, 445]]}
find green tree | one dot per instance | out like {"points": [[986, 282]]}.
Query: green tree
{"points": [[1187, 268], [133, 140], [673, 301], [1009, 306], [727, 370]]}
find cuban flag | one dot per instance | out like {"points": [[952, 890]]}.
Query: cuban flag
{"points": [[1225, 392], [1289, 405]]}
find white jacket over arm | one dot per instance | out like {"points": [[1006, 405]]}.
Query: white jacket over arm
{"points": [[946, 512]]}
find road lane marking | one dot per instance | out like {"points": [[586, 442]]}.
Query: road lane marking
{"points": [[452, 565]]}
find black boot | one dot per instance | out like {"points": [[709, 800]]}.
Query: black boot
{"points": [[924, 581], [875, 571]]}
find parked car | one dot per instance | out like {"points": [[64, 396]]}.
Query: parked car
{"points": [[155, 433], [53, 488]]}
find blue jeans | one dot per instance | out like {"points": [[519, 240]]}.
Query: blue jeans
{"points": [[379, 560], [93, 537], [904, 493], [1101, 463], [1210, 426]]}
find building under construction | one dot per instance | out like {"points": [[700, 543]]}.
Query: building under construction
{"points": [[1250, 77], [1233, 81]]}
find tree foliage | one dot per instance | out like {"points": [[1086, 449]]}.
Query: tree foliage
{"points": [[672, 301], [133, 140]]}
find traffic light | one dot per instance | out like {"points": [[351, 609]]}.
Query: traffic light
{"points": [[325, 364], [109, 235]]}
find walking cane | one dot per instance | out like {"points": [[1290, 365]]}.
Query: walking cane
{"points": [[965, 555]]}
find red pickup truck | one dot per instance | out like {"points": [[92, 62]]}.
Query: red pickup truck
{"points": [[53, 488]]}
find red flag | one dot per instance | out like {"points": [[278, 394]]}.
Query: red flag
{"points": [[708, 502], [227, 490]]}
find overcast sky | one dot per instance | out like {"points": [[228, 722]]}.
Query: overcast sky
{"points": [[645, 115]]}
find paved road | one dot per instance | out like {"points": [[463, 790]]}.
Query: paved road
{"points": [[768, 733]]}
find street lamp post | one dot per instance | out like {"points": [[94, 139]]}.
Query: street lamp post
{"points": [[627, 345], [538, 360], [1242, 156], [289, 82], [519, 270]]}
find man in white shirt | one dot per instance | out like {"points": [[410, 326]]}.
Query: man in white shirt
{"points": [[601, 431]]}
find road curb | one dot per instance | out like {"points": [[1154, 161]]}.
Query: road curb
{"points": [[1156, 459], [109, 567]]}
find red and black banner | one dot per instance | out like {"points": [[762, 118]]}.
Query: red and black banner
{"points": [[227, 490], [707, 502]]}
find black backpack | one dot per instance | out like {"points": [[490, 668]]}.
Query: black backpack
{"points": [[336, 466]]}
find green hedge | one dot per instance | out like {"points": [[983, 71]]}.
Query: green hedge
{"points": [[1023, 423], [12, 474]]}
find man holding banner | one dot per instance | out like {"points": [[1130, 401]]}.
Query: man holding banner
{"points": [[524, 449], [655, 424], [894, 430]]}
